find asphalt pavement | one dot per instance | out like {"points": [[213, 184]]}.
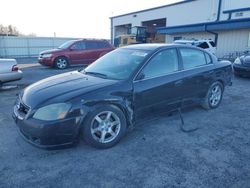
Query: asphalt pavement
{"points": [[156, 153]]}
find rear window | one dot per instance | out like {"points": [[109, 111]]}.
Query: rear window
{"points": [[212, 43], [192, 58], [203, 45]]}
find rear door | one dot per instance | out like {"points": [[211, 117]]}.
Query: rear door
{"points": [[197, 71], [158, 85]]}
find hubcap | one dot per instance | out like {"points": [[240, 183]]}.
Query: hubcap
{"points": [[215, 95], [105, 127], [61, 63]]}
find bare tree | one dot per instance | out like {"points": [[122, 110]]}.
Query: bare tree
{"points": [[9, 30]]}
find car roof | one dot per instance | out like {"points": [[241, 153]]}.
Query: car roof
{"points": [[154, 46], [91, 40], [193, 41]]}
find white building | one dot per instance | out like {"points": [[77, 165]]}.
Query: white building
{"points": [[227, 22]]}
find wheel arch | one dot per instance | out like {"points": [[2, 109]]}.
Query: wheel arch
{"points": [[220, 80], [124, 106], [64, 56]]}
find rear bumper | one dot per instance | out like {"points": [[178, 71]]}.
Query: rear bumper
{"points": [[12, 76]]}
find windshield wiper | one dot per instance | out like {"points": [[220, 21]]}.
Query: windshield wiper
{"points": [[96, 74]]}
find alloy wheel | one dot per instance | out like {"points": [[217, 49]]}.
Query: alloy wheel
{"points": [[61, 63], [105, 127], [215, 95]]}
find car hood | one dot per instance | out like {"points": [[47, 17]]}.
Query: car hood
{"points": [[51, 51], [61, 88]]}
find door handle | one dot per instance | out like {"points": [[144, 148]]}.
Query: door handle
{"points": [[178, 83]]}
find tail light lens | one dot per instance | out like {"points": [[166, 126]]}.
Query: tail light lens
{"points": [[14, 68]]}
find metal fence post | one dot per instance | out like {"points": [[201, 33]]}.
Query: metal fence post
{"points": [[28, 46]]}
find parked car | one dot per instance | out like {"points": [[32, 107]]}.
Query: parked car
{"points": [[206, 44], [241, 65], [73, 52], [103, 100], [9, 71]]}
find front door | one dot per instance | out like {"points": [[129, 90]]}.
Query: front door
{"points": [[78, 53], [158, 87]]}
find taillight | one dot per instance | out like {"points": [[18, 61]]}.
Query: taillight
{"points": [[14, 68]]}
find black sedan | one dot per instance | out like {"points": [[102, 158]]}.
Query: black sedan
{"points": [[100, 102], [241, 65]]}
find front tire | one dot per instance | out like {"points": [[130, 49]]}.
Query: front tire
{"points": [[61, 63], [104, 126], [214, 96]]}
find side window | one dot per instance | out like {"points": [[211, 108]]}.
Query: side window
{"points": [[208, 58], [78, 45], [162, 63], [92, 45], [192, 58], [103, 45], [203, 45]]}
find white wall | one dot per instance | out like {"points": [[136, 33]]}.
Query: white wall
{"points": [[231, 41], [228, 41], [195, 12], [232, 5], [181, 14], [200, 35], [236, 4]]}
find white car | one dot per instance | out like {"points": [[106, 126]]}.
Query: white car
{"points": [[9, 71], [206, 44]]}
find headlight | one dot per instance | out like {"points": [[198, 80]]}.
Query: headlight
{"points": [[52, 112], [46, 55], [237, 61]]}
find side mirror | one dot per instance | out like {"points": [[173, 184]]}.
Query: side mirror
{"points": [[141, 76]]}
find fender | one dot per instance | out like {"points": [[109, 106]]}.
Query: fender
{"points": [[123, 104]]}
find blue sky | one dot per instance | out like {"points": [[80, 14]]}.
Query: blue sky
{"points": [[69, 18]]}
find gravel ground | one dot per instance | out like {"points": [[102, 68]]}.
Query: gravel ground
{"points": [[156, 153]]}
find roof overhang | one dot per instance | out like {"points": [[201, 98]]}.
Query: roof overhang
{"points": [[207, 26]]}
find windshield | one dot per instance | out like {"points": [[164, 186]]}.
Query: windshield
{"points": [[66, 44], [118, 64]]}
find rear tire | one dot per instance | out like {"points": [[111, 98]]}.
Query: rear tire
{"points": [[104, 126], [61, 63], [214, 96]]}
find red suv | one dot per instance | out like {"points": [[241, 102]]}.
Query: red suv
{"points": [[83, 51]]}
